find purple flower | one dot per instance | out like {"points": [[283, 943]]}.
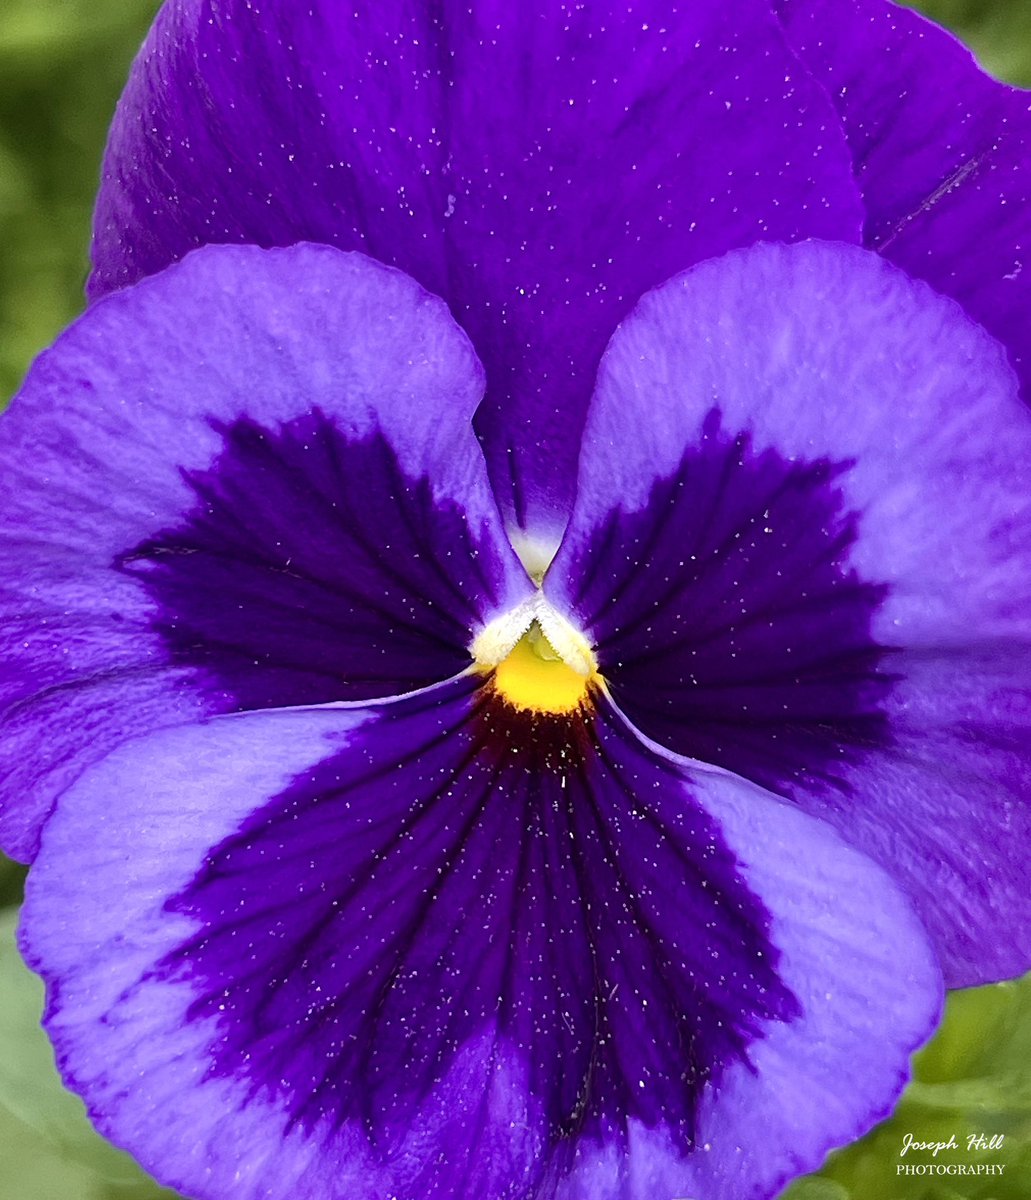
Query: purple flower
{"points": [[381, 860]]}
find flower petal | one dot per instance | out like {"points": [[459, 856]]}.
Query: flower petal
{"points": [[814, 567], [475, 147], [942, 152], [250, 482], [344, 950]]}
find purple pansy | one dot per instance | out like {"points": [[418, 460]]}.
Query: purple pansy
{"points": [[589, 817]]}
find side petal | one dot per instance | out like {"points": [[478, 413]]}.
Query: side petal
{"points": [[942, 153], [474, 146], [341, 951], [802, 545], [250, 482]]}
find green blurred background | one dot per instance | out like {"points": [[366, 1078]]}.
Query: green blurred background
{"points": [[62, 63]]}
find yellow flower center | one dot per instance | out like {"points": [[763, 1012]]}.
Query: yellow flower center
{"points": [[534, 676], [539, 661]]}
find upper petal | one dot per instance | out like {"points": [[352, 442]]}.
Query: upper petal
{"points": [[942, 153], [802, 546], [437, 948], [538, 166], [250, 482]]}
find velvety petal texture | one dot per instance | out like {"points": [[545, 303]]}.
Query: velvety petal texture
{"points": [[441, 947], [802, 547], [942, 154], [248, 483], [475, 146]]}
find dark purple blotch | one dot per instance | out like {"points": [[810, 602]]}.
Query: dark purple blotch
{"points": [[312, 569], [729, 624], [546, 877]]}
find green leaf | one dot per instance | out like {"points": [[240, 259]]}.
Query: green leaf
{"points": [[62, 66], [998, 31], [815, 1188], [12, 877]]}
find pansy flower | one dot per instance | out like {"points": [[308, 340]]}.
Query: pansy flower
{"points": [[592, 815]]}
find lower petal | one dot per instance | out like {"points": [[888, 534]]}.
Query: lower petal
{"points": [[440, 948]]}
